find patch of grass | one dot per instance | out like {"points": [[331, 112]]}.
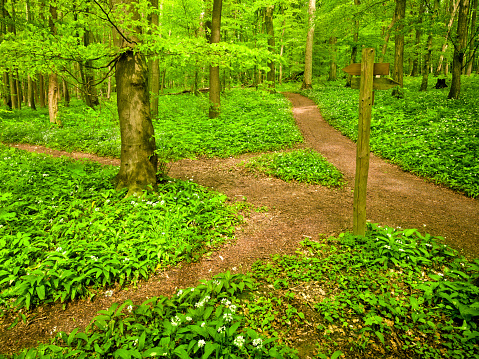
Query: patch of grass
{"points": [[424, 133], [251, 121], [197, 322], [393, 293], [304, 166], [64, 230]]}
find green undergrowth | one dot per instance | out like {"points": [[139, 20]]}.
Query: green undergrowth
{"points": [[251, 121], [200, 322], [394, 293], [304, 166], [65, 231], [424, 132]]}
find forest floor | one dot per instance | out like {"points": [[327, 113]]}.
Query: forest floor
{"points": [[286, 214]]}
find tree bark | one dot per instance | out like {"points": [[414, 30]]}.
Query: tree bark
{"points": [[66, 93], [41, 90], [13, 91], [354, 49], [31, 93], [215, 85], [308, 56], [471, 55], [445, 45], [7, 97], [459, 50], [271, 76], [415, 63], [427, 57], [138, 161], [398, 72], [88, 77], [53, 90], [281, 52], [155, 69]]}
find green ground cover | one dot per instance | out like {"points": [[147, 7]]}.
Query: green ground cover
{"points": [[251, 121], [304, 166], [423, 133], [391, 293], [65, 231]]}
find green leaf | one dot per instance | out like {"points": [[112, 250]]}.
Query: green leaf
{"points": [[336, 354]]}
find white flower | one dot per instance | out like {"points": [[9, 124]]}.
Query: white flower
{"points": [[59, 249], [203, 325], [180, 292], [401, 250], [232, 308], [221, 329], [135, 342], [225, 301], [107, 201], [189, 319], [129, 308], [217, 282], [95, 258], [388, 247], [108, 293], [201, 343], [45, 175], [175, 321], [228, 317], [126, 259], [239, 341], [97, 209], [258, 343]]}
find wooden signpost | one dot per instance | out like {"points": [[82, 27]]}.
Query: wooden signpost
{"points": [[367, 69]]}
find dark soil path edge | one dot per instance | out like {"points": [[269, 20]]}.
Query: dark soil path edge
{"points": [[296, 211]]}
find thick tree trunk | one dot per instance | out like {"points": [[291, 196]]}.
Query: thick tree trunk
{"points": [[215, 85], [138, 159], [446, 39], [471, 56], [308, 56], [398, 72], [88, 77], [271, 76], [459, 50], [7, 97]]}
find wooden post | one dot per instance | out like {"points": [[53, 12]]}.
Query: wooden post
{"points": [[366, 98]]}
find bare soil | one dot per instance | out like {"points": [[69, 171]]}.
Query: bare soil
{"points": [[295, 211]]}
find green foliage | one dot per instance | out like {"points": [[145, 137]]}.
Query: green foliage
{"points": [[304, 166], [251, 121], [423, 133], [64, 230], [392, 292], [199, 322]]}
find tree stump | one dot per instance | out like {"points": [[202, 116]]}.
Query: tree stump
{"points": [[440, 84]]}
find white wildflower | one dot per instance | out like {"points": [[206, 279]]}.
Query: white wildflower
{"points": [[228, 317], [201, 343], [258, 343], [239, 341]]}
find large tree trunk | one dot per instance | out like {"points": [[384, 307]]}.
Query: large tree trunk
{"points": [[398, 72], [308, 56], [268, 19], [138, 161], [446, 38], [459, 50], [472, 54], [215, 85], [53, 90]]}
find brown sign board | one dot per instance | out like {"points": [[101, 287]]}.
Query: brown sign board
{"points": [[379, 83], [379, 69]]}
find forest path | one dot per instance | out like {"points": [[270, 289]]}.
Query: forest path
{"points": [[295, 211]]}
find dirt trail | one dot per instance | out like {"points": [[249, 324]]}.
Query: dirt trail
{"points": [[295, 211]]}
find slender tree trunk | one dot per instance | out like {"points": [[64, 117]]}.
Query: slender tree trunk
{"points": [[89, 87], [31, 93], [308, 56], [215, 85], [471, 55], [415, 63], [398, 72], [155, 69], [7, 97], [271, 76], [354, 49], [459, 50], [281, 52], [66, 93], [53, 88], [446, 39], [18, 84], [428, 55], [386, 38], [13, 91], [41, 90], [333, 66], [138, 161]]}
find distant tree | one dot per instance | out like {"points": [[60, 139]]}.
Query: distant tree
{"points": [[398, 72], [460, 47]]}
